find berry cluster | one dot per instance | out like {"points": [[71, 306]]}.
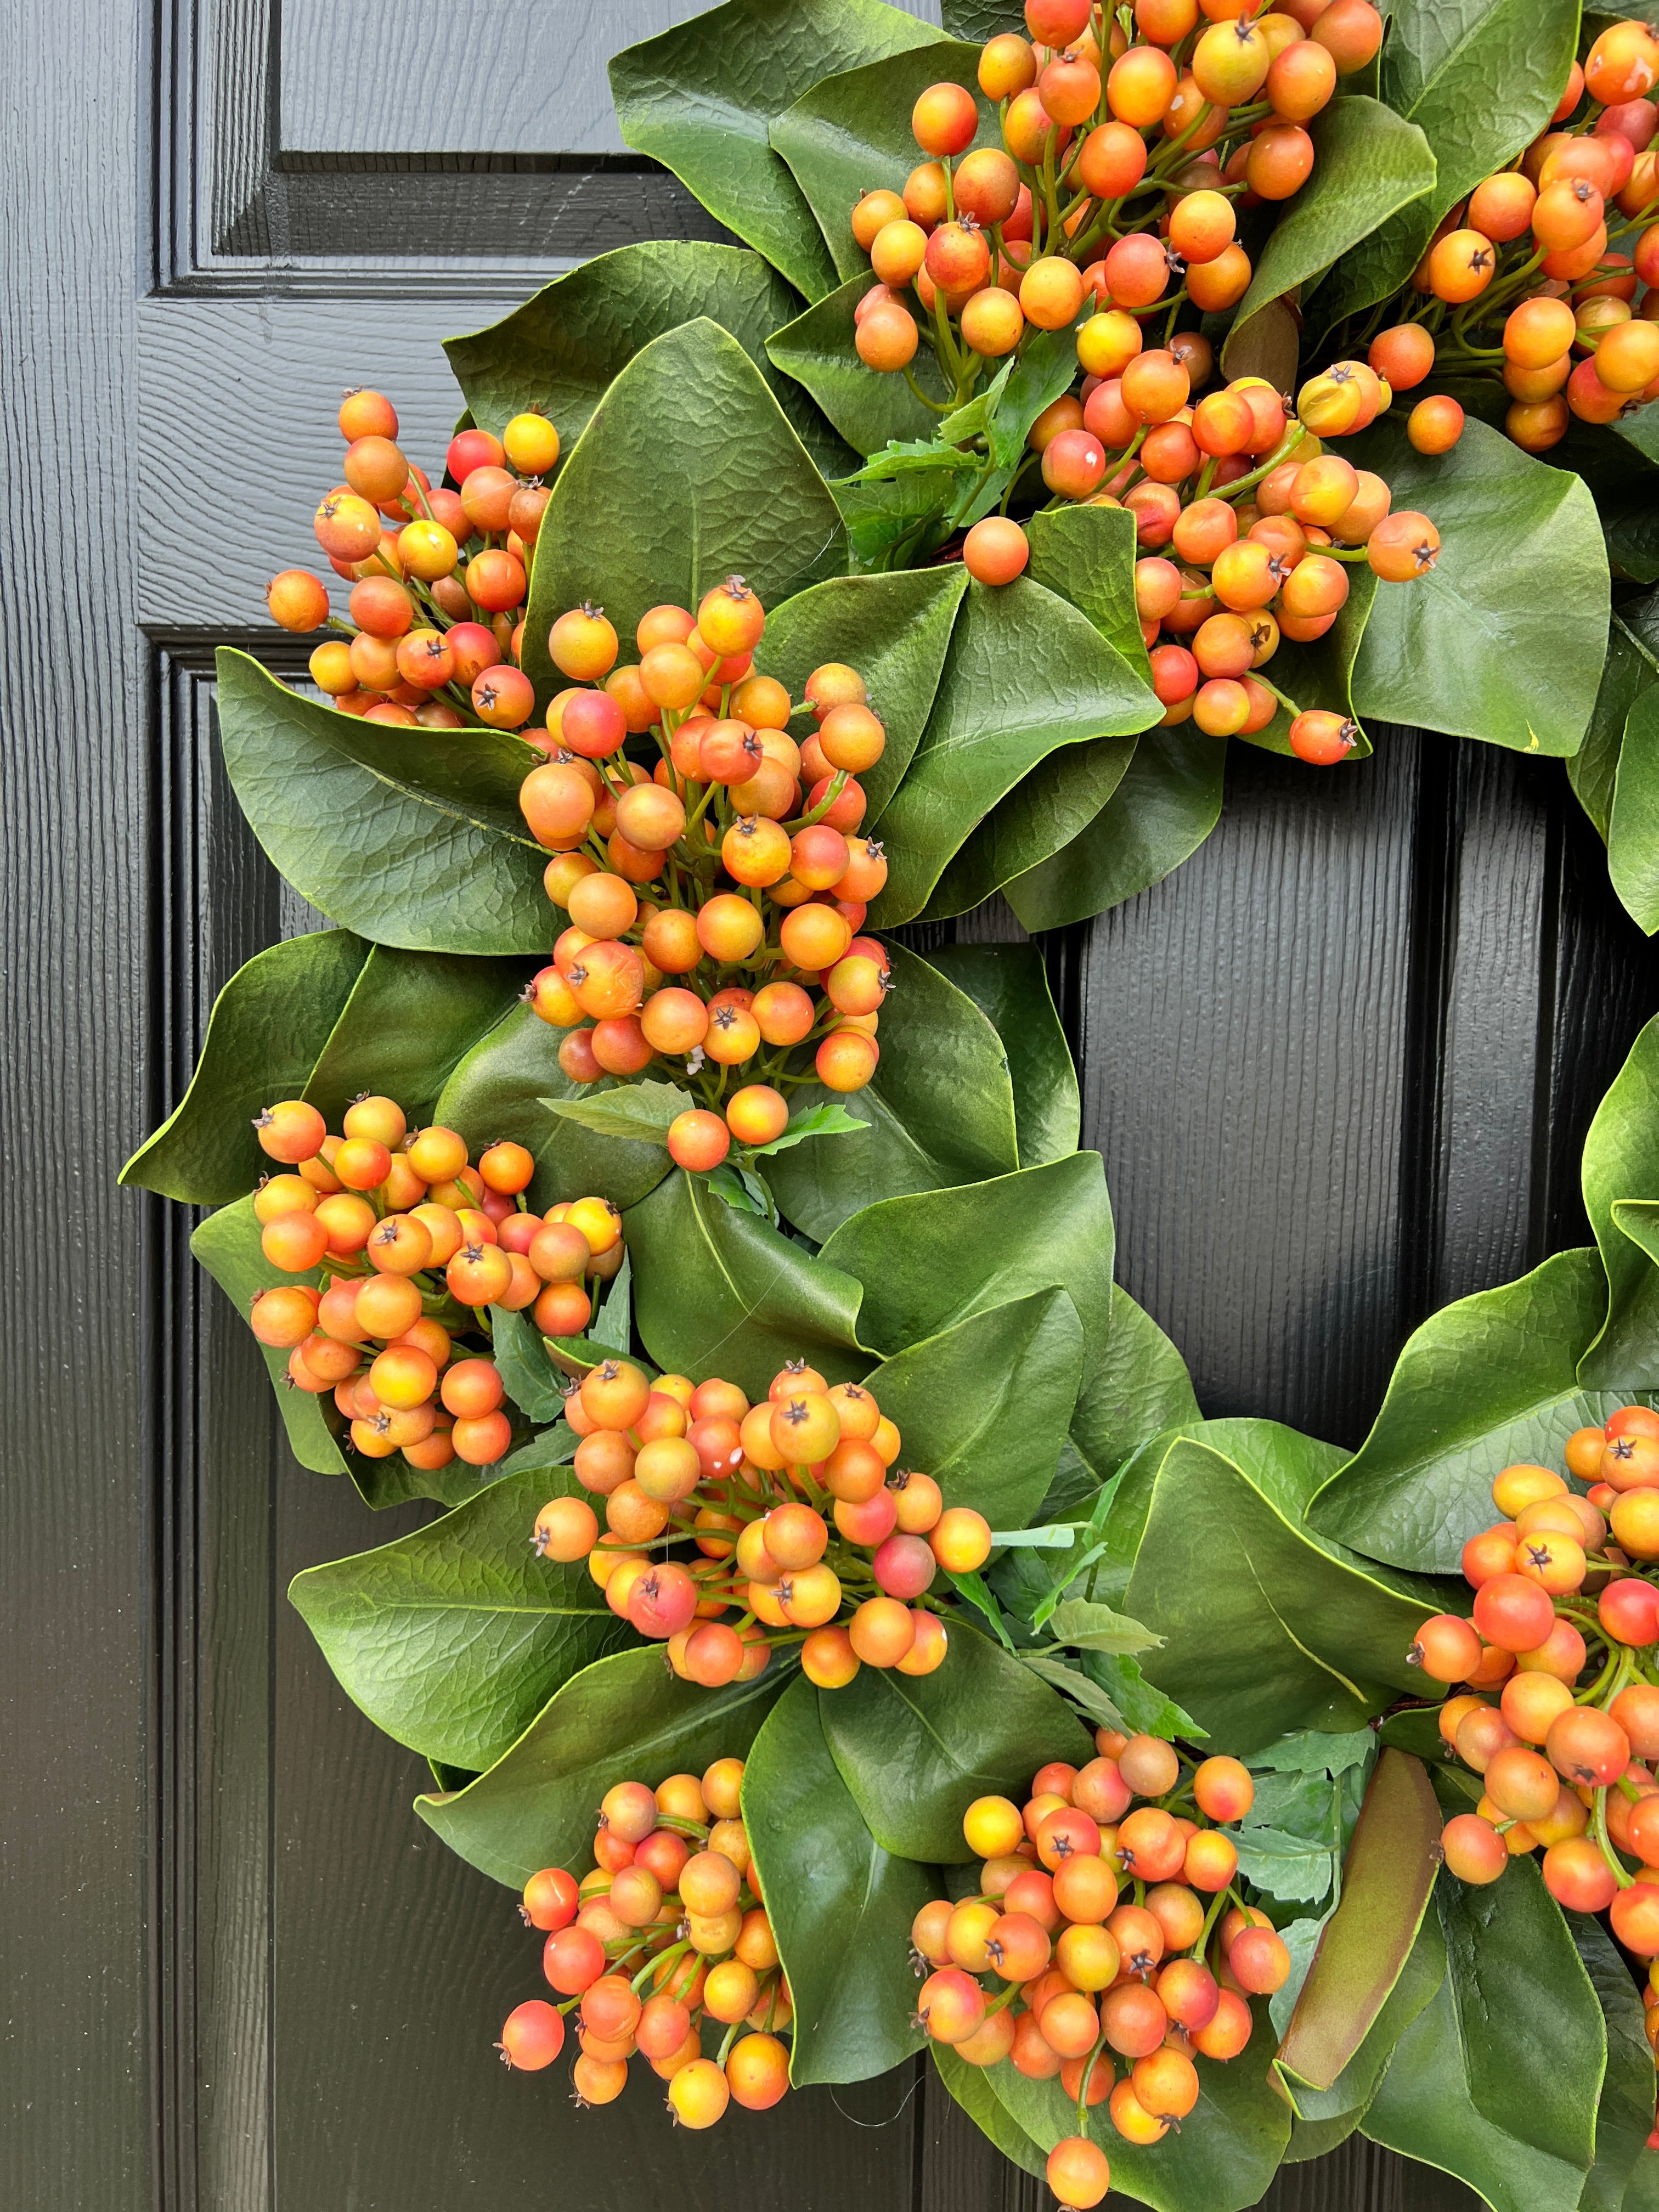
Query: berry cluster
{"points": [[755, 1491], [410, 1243], [1526, 273], [1562, 1766], [1125, 157], [709, 897], [1045, 1967], [666, 1935], [438, 576]]}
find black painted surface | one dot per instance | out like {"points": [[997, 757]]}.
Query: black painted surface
{"points": [[1340, 1069]]}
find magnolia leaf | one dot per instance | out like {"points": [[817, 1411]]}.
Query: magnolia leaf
{"points": [[1633, 829], [1621, 1165], [1009, 984], [1472, 648], [411, 838], [228, 1245], [558, 352], [701, 99], [1623, 2118], [453, 1638], [268, 1025], [699, 476], [640, 1110], [877, 414], [411, 1018], [1316, 1751], [1135, 1389], [840, 1905], [1632, 671], [1091, 1628]]}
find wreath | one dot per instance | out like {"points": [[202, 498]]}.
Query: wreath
{"points": [[837, 1583]]}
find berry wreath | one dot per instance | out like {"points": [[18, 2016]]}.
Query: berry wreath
{"points": [[761, 1341]]}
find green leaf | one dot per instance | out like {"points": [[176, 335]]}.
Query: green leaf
{"points": [[870, 409], [983, 1406], [1317, 1751], [453, 1639], [1087, 554], [701, 99], [1342, 2108], [851, 132], [1085, 1691], [1474, 649], [1369, 163], [612, 1326], [722, 1293], [1169, 801], [894, 524], [1286, 1867], [1623, 2118], [694, 468], [1632, 668], [638, 1111], [1320, 674], [624, 1718], [969, 2087], [1481, 79], [1039, 818], [1315, 1636], [747, 1192], [411, 838], [1224, 2156], [411, 1017], [500, 1089], [1090, 1627], [895, 629], [831, 1118], [519, 1351], [1621, 1161], [933, 1259], [841, 1906], [1497, 2079], [941, 1110], [979, 19], [1009, 984], [1145, 1711], [228, 1245], [267, 1027], [1633, 832], [915, 1750], [1387, 1883], [559, 351], [1486, 1381], [1027, 675], [1132, 1392]]}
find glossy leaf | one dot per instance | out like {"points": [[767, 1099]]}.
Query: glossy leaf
{"points": [[983, 1406], [1369, 163], [1631, 669], [1621, 1163], [268, 1025], [941, 1110], [1387, 1883], [1481, 79], [1485, 1381], [870, 409], [722, 1293], [228, 1245], [1633, 833], [969, 2087], [930, 1260], [498, 1090], [895, 629], [841, 1906], [894, 524], [1169, 801], [1474, 649], [702, 98], [559, 351], [1624, 2117], [1027, 675], [1221, 2160], [639, 1112], [411, 1017], [1009, 984], [1135, 1389], [624, 1718], [694, 468], [1315, 1637], [519, 1352], [1039, 818], [1496, 2080], [411, 838], [915, 1751], [852, 132], [453, 1639], [978, 19], [1087, 554]]}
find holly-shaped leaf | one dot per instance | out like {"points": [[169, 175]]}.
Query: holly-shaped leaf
{"points": [[559, 351], [453, 1638], [915, 1751], [701, 99], [721, 1292], [267, 1027], [411, 838], [624, 1718], [694, 472], [841, 1906]]}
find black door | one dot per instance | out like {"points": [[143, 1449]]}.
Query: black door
{"points": [[1339, 1067]]}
